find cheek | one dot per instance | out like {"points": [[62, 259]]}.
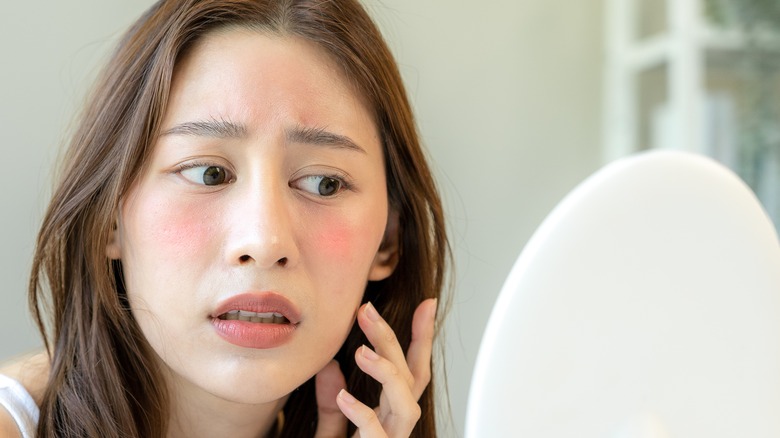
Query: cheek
{"points": [[347, 242], [336, 240], [181, 231], [171, 227]]}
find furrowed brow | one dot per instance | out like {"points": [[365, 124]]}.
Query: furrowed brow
{"points": [[321, 137], [209, 128]]}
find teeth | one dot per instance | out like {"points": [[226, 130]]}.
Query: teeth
{"points": [[245, 315]]}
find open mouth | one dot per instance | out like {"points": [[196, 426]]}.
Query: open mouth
{"points": [[244, 315]]}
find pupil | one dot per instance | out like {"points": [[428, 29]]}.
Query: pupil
{"points": [[213, 176], [328, 186]]}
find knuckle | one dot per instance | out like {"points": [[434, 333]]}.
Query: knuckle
{"points": [[409, 417], [392, 369], [411, 412], [368, 418], [389, 335], [416, 413], [419, 378], [326, 411]]}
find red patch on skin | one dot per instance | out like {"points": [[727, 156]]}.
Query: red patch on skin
{"points": [[179, 227], [345, 241], [336, 241]]}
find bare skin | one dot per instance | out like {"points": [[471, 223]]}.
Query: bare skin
{"points": [[30, 370]]}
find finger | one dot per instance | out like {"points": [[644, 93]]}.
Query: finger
{"points": [[331, 423], [398, 410], [383, 338], [363, 417], [418, 357]]}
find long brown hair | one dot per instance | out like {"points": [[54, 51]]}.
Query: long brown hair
{"points": [[104, 380]]}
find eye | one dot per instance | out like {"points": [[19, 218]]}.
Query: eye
{"points": [[206, 174], [321, 185]]}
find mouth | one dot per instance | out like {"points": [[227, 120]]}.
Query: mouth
{"points": [[257, 317], [258, 308], [257, 320]]}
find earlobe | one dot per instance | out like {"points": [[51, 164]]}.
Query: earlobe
{"points": [[114, 247], [387, 256]]}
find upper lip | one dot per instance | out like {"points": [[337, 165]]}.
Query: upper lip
{"points": [[259, 302]]}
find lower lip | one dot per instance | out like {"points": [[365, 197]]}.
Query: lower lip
{"points": [[252, 334]]}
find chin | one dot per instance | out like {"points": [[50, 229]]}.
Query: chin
{"points": [[255, 383], [250, 393], [257, 397]]}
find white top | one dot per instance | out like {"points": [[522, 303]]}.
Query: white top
{"points": [[20, 404]]}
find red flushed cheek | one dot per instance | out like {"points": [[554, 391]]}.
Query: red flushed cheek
{"points": [[338, 242], [177, 228], [346, 244]]}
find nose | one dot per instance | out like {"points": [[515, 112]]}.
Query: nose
{"points": [[260, 227]]}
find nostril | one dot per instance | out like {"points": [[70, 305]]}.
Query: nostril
{"points": [[282, 261], [244, 258]]}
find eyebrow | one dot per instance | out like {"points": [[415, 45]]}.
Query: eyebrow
{"points": [[225, 129], [321, 137], [209, 128]]}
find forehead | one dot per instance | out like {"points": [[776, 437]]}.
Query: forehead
{"points": [[246, 75], [257, 51]]}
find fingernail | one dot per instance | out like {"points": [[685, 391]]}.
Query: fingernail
{"points": [[371, 312], [368, 353], [347, 397]]}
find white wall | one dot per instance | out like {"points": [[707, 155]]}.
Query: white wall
{"points": [[50, 51], [507, 94]]}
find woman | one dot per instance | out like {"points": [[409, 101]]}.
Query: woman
{"points": [[246, 183]]}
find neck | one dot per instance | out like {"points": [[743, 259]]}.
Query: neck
{"points": [[194, 413]]}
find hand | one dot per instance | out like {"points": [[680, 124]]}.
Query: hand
{"points": [[403, 379]]}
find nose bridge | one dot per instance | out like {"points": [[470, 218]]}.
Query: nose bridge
{"points": [[261, 227]]}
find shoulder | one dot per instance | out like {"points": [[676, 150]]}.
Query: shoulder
{"points": [[8, 427], [31, 370]]}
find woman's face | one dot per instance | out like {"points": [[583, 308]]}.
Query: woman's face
{"points": [[264, 199]]}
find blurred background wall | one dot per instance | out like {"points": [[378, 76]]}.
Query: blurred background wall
{"points": [[51, 51], [507, 95]]}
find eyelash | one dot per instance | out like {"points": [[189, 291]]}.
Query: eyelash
{"points": [[344, 183], [195, 164]]}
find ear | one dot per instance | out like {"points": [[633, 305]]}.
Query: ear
{"points": [[114, 247], [386, 258]]}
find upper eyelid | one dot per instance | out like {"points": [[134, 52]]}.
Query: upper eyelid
{"points": [[199, 162], [346, 180], [321, 170]]}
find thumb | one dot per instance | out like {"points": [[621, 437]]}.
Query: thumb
{"points": [[331, 422]]}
